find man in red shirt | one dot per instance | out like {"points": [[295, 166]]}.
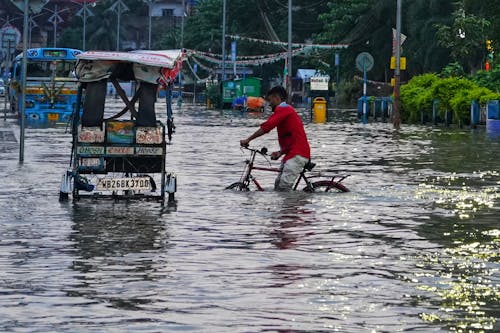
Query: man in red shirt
{"points": [[291, 136]]}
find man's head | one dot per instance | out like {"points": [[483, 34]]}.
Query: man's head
{"points": [[276, 96]]}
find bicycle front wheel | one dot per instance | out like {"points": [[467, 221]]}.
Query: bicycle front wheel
{"points": [[326, 186], [238, 186]]}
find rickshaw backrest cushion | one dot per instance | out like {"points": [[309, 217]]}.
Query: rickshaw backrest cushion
{"points": [[93, 105], [147, 98]]}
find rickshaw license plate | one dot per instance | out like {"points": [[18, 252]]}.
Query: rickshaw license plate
{"points": [[53, 116], [115, 184]]}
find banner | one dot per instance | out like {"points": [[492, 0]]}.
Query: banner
{"points": [[264, 41], [233, 51], [403, 39], [269, 59]]}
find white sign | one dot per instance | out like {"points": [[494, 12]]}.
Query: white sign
{"points": [[403, 39], [113, 184], [10, 36], [319, 82]]}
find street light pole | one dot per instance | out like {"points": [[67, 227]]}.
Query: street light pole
{"points": [[119, 13], [224, 8], [118, 7], [289, 62], [182, 22], [55, 26], [149, 27], [84, 23], [23, 81], [397, 72], [150, 13]]}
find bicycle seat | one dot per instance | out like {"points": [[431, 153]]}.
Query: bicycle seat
{"points": [[309, 166]]}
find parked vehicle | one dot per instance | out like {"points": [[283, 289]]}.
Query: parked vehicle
{"points": [[51, 84], [116, 157]]}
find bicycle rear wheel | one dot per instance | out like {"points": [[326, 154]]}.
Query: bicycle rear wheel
{"points": [[326, 186], [238, 186]]}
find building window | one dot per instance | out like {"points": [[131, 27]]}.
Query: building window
{"points": [[168, 12]]}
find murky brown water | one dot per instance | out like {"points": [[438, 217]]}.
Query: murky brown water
{"points": [[413, 247]]}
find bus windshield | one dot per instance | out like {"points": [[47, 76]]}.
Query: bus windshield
{"points": [[55, 68]]}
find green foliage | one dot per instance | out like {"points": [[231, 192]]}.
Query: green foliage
{"points": [[453, 93], [214, 94], [445, 89], [453, 69], [490, 80], [416, 96], [349, 91], [464, 37]]}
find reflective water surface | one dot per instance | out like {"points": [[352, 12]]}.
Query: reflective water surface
{"points": [[413, 247]]}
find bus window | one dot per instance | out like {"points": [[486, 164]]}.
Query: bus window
{"points": [[49, 68]]}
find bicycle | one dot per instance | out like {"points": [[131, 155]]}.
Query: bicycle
{"points": [[332, 183]]}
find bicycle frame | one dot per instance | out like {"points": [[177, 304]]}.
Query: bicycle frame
{"points": [[247, 176]]}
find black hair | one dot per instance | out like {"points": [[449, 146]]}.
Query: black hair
{"points": [[279, 91]]}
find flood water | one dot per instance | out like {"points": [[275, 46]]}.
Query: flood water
{"points": [[413, 247]]}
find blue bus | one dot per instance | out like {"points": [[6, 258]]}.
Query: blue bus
{"points": [[51, 85]]}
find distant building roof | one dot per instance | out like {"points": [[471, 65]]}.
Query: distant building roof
{"points": [[305, 74]]}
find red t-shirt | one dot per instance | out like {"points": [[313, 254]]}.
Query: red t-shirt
{"points": [[291, 135]]}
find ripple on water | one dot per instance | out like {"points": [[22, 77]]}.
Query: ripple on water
{"points": [[414, 246]]}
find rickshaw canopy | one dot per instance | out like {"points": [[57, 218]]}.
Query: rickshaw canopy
{"points": [[158, 67]]}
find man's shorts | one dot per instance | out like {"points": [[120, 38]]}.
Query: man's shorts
{"points": [[290, 171]]}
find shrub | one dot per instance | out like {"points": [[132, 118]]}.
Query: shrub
{"points": [[454, 94], [416, 96]]}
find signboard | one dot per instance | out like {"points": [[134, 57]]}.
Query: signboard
{"points": [[319, 82], [10, 37], [90, 134], [402, 63], [394, 36], [149, 135], [120, 150], [158, 151], [364, 62], [89, 150]]}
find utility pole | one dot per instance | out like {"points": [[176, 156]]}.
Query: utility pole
{"points": [[182, 47], [289, 62], [224, 8], [182, 22], [150, 13], [7, 69], [397, 72], [23, 81]]}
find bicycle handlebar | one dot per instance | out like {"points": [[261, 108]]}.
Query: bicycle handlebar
{"points": [[262, 151]]}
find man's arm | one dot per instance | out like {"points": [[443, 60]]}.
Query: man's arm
{"points": [[259, 132]]}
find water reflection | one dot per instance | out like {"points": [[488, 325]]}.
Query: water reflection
{"points": [[291, 219], [118, 249]]}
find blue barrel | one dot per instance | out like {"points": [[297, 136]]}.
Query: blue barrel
{"points": [[493, 127], [360, 106], [493, 111], [475, 113]]}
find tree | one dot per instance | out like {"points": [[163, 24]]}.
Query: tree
{"points": [[464, 37]]}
